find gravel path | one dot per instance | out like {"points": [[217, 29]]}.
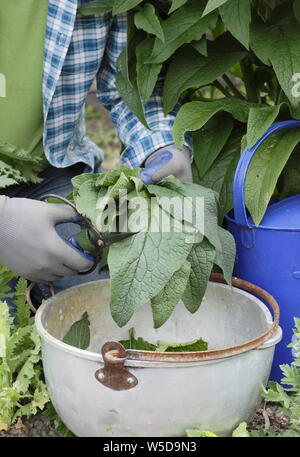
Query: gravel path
{"points": [[40, 426]]}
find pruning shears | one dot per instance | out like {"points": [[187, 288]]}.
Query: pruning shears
{"points": [[89, 241]]}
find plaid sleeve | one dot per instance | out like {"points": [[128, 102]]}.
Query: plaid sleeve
{"points": [[139, 141]]}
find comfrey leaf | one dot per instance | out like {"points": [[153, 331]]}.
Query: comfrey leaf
{"points": [[201, 259], [190, 346], [79, 333], [140, 266], [137, 343], [162, 346], [166, 300]]}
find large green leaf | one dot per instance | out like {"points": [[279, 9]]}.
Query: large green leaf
{"points": [[265, 169], [79, 333], [183, 26], [190, 346], [201, 205], [147, 20], [108, 178], [289, 180], [236, 15], [176, 4], [200, 46], [219, 176], [191, 69], [225, 258], [201, 259], [165, 301], [136, 265], [86, 200], [296, 10], [260, 119], [96, 7], [279, 44], [137, 343], [209, 141], [213, 5], [78, 180], [147, 74], [127, 59], [162, 346], [120, 6], [194, 115], [131, 97]]}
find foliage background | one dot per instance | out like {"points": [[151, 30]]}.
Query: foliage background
{"points": [[230, 68]]}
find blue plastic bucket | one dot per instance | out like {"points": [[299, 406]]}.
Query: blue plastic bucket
{"points": [[269, 254]]}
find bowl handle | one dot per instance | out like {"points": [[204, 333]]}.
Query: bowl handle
{"points": [[240, 214], [114, 375]]}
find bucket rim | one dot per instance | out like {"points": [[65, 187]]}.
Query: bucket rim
{"points": [[252, 226], [135, 357]]}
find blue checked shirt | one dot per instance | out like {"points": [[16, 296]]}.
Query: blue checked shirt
{"points": [[79, 49]]}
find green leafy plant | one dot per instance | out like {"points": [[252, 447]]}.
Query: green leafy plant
{"points": [[230, 68], [17, 166], [240, 432], [289, 400], [154, 264], [22, 388]]}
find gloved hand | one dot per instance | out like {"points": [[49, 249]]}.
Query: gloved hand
{"points": [[166, 161], [29, 244]]}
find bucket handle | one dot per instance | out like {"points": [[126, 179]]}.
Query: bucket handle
{"points": [[240, 214], [28, 295]]}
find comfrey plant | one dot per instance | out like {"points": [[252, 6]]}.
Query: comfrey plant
{"points": [[234, 68]]}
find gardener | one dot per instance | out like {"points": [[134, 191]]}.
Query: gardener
{"points": [[49, 56]]}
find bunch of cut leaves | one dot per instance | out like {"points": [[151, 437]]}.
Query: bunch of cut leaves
{"points": [[17, 166], [161, 266], [233, 66], [22, 389], [162, 346], [79, 336]]}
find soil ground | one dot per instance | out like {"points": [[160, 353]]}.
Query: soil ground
{"points": [[268, 415]]}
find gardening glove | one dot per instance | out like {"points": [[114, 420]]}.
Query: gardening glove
{"points": [[29, 243], [166, 161]]}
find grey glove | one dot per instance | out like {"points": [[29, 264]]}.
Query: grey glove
{"points": [[29, 244], [166, 161]]}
